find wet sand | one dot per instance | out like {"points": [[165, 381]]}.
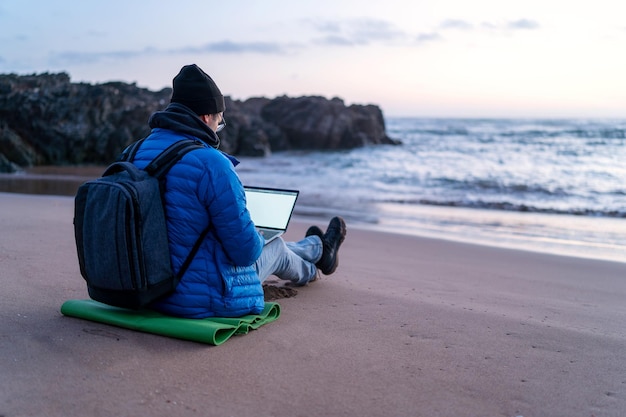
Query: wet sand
{"points": [[406, 326]]}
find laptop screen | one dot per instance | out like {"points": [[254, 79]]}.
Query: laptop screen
{"points": [[270, 207]]}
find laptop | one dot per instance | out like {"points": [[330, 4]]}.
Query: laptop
{"points": [[270, 209]]}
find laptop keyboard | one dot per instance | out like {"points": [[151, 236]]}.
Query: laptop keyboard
{"points": [[268, 234]]}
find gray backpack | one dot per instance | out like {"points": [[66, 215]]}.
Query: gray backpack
{"points": [[121, 234]]}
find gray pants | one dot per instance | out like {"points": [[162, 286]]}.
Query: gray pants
{"points": [[292, 261]]}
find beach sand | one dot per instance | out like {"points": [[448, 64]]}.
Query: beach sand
{"points": [[407, 326]]}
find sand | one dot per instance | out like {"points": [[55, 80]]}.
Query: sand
{"points": [[407, 326]]}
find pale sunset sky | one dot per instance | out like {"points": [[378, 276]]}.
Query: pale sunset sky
{"points": [[422, 58]]}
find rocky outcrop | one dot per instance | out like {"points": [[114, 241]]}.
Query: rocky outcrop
{"points": [[46, 119], [318, 123]]}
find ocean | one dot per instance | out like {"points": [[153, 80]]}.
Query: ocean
{"points": [[552, 186]]}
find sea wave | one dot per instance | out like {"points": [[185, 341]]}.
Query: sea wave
{"points": [[511, 128], [508, 206], [500, 187]]}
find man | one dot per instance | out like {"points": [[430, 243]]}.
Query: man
{"points": [[203, 189]]}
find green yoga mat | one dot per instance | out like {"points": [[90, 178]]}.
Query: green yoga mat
{"points": [[213, 331]]}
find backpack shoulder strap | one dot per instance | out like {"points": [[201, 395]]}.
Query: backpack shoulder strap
{"points": [[160, 166], [172, 154], [129, 153], [193, 252]]}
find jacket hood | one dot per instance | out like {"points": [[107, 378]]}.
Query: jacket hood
{"points": [[180, 118]]}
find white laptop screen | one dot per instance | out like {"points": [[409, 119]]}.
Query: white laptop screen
{"points": [[270, 208]]}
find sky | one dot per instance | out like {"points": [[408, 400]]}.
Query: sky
{"points": [[417, 58]]}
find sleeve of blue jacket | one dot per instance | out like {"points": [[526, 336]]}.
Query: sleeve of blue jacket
{"points": [[222, 193]]}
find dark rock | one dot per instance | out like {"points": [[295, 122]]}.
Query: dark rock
{"points": [[47, 120], [6, 165], [318, 123]]}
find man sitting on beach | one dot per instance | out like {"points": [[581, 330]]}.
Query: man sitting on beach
{"points": [[225, 276]]}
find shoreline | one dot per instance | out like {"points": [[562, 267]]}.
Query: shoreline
{"points": [[554, 234], [586, 237], [557, 234], [406, 326]]}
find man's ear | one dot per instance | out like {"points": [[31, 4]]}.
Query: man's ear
{"points": [[205, 118]]}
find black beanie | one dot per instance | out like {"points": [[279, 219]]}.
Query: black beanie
{"points": [[196, 90]]}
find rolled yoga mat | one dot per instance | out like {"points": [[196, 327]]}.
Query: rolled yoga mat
{"points": [[213, 330]]}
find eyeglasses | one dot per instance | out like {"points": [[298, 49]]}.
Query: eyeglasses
{"points": [[221, 124]]}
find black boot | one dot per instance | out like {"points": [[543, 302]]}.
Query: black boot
{"points": [[331, 240]]}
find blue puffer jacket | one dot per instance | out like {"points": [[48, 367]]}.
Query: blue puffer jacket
{"points": [[202, 189]]}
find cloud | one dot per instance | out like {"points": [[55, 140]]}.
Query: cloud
{"points": [[333, 40], [325, 26], [369, 30], [356, 32], [428, 37], [222, 47], [71, 57], [464, 25], [456, 24], [522, 24], [229, 47]]}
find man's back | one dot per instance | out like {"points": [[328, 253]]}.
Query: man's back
{"points": [[204, 189]]}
